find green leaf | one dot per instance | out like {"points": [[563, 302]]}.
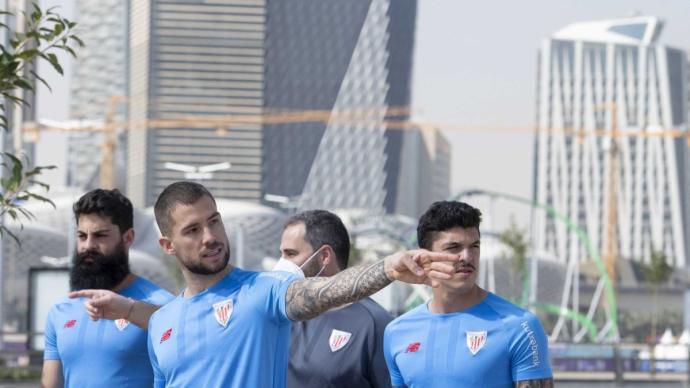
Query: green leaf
{"points": [[24, 84], [4, 230], [77, 39], [37, 11], [45, 186], [28, 55], [38, 77], [52, 58], [26, 213], [41, 198]]}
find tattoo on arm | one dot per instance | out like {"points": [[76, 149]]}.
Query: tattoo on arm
{"points": [[310, 297], [541, 383]]}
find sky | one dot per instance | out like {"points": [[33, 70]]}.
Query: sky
{"points": [[475, 68]]}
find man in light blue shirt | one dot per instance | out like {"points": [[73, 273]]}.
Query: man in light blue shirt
{"points": [[78, 351], [230, 327], [465, 336]]}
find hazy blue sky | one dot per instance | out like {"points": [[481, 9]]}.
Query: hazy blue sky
{"points": [[475, 65]]}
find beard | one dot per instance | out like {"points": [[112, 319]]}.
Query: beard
{"points": [[101, 272], [313, 267], [201, 269]]}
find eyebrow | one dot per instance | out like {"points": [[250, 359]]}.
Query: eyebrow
{"points": [[455, 243], [99, 231], [216, 214]]}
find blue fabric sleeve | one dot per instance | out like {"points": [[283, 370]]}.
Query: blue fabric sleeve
{"points": [[50, 338], [158, 378], [396, 377], [277, 283], [529, 350]]}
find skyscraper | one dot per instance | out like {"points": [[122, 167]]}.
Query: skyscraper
{"points": [[255, 57], [99, 79], [353, 57], [201, 59], [609, 98]]}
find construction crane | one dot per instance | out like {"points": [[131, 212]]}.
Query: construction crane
{"points": [[352, 116], [611, 237], [109, 127]]}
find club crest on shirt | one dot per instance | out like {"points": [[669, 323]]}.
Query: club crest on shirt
{"points": [[338, 339], [476, 341], [121, 324], [222, 311]]}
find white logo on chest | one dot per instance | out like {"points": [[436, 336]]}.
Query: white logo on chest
{"points": [[338, 339], [476, 341], [222, 311], [121, 324]]}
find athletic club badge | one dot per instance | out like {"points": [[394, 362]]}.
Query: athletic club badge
{"points": [[222, 311], [476, 341], [338, 339], [121, 324]]}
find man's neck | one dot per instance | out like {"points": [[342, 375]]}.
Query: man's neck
{"points": [[197, 283], [126, 282], [449, 301]]}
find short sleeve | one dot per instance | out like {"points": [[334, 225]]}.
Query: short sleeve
{"points": [[158, 378], [396, 377], [50, 344], [530, 351], [275, 284], [160, 297]]}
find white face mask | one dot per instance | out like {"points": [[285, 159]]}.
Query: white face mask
{"points": [[286, 265]]}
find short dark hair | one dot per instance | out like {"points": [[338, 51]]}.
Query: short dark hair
{"points": [[445, 215], [106, 203], [324, 228], [178, 193]]}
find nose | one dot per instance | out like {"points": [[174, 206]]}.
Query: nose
{"points": [[208, 238], [89, 243], [465, 255]]}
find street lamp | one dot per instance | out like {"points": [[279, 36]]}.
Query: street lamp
{"points": [[197, 173], [290, 204]]}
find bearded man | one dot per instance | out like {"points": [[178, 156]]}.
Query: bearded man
{"points": [[80, 352]]}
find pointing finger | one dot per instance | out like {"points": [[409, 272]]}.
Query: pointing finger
{"points": [[83, 294]]}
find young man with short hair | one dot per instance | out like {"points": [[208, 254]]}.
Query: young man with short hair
{"points": [[465, 336]]}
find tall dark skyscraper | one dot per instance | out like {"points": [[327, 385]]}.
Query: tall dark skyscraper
{"points": [[348, 56]]}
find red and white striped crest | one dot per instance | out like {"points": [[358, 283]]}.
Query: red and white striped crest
{"points": [[223, 311], [338, 339], [476, 341], [121, 324]]}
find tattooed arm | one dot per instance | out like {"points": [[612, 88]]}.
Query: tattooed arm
{"points": [[540, 383], [310, 297]]}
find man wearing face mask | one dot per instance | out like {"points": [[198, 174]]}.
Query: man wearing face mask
{"points": [[342, 347], [78, 351]]}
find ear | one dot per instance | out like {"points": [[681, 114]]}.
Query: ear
{"points": [[166, 245], [328, 256], [128, 237]]}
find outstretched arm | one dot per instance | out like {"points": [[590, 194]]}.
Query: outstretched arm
{"points": [[105, 304], [310, 297]]}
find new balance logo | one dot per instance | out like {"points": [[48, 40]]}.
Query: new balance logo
{"points": [[166, 335], [70, 323], [413, 347]]}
